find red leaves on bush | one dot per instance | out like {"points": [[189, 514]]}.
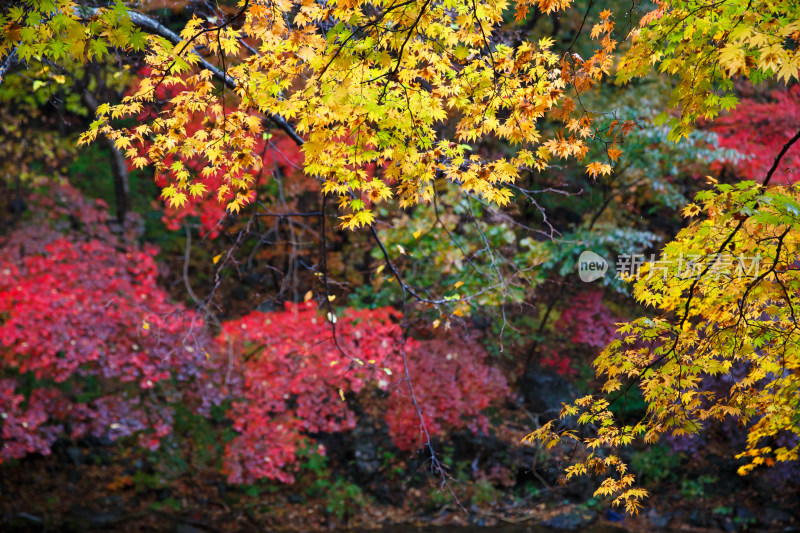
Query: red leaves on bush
{"points": [[26, 428], [558, 361], [296, 378], [89, 332], [759, 130], [298, 382], [588, 320], [89, 344], [85, 329], [453, 386]]}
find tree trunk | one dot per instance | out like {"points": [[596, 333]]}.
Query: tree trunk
{"points": [[122, 189]]}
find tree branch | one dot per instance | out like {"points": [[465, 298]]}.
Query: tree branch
{"points": [[5, 65], [156, 28]]}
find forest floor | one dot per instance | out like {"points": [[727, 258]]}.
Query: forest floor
{"points": [[107, 488]]}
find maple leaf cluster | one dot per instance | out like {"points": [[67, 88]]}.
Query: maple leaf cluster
{"points": [[378, 117], [278, 155], [209, 197], [718, 43]]}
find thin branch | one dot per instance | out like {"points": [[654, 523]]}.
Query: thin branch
{"points": [[186, 258], [778, 158], [5, 65], [287, 215], [157, 28]]}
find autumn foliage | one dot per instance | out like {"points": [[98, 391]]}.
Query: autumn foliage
{"points": [[279, 156], [301, 380], [89, 342], [453, 386], [91, 345], [588, 320], [328, 116], [758, 129], [297, 377]]}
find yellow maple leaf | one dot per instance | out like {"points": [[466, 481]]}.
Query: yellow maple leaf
{"points": [[598, 169], [691, 210]]}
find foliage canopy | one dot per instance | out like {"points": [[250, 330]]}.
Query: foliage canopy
{"points": [[385, 98], [724, 342]]}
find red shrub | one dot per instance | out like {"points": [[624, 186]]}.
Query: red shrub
{"points": [[296, 379], [453, 386], [89, 344], [296, 382], [758, 130], [87, 333], [588, 320]]}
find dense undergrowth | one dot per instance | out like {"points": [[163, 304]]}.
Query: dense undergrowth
{"points": [[167, 367]]}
